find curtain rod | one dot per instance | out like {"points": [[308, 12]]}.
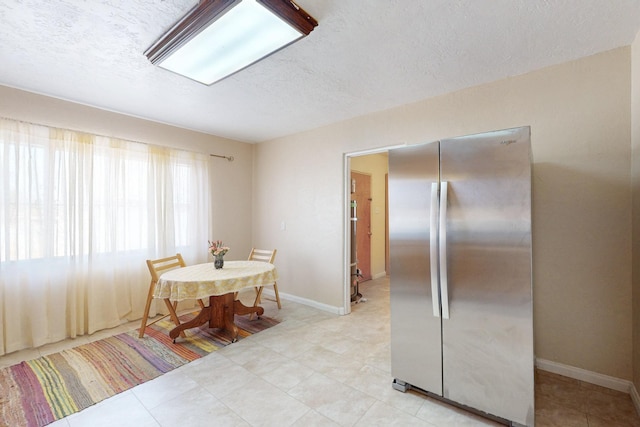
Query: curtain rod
{"points": [[230, 158]]}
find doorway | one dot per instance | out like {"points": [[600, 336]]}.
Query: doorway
{"points": [[371, 200], [361, 195]]}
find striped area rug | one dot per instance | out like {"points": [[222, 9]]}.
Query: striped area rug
{"points": [[40, 391]]}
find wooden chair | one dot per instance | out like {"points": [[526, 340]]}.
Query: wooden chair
{"points": [[269, 256], [156, 268]]}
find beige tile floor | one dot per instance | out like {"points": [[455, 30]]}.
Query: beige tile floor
{"points": [[317, 369]]}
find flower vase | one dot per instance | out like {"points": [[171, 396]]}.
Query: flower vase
{"points": [[218, 261]]}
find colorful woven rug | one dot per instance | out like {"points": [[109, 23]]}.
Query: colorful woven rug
{"points": [[40, 391]]}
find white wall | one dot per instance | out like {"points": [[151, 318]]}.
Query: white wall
{"points": [[231, 181], [579, 113]]}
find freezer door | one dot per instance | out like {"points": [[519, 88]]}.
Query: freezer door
{"points": [[488, 360], [415, 330]]}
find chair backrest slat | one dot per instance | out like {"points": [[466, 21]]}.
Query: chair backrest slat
{"points": [[159, 266], [265, 255]]}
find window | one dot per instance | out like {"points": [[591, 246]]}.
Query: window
{"points": [[78, 211]]}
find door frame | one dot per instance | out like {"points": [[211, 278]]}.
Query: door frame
{"points": [[346, 220]]}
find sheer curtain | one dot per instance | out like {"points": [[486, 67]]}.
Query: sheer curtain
{"points": [[79, 215]]}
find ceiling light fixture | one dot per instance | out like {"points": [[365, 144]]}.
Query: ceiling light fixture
{"points": [[218, 38]]}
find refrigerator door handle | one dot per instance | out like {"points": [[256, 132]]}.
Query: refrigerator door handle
{"points": [[444, 287], [433, 245]]}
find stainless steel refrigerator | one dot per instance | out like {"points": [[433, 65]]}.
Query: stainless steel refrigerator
{"points": [[461, 276]]}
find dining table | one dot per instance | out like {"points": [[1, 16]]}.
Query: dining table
{"points": [[202, 281]]}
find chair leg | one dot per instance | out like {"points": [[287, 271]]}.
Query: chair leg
{"points": [[257, 300], [145, 316], [275, 288], [258, 295], [172, 311], [175, 319]]}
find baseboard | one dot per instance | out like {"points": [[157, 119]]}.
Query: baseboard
{"points": [[379, 275], [311, 303], [587, 376]]}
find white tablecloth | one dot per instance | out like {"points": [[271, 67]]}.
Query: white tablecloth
{"points": [[203, 280]]}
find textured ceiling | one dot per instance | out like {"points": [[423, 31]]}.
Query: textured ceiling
{"points": [[364, 56]]}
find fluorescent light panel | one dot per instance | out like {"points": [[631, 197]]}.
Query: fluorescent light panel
{"points": [[241, 36]]}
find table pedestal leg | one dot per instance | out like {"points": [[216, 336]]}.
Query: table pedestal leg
{"points": [[202, 318], [220, 314]]}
